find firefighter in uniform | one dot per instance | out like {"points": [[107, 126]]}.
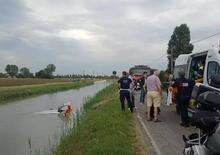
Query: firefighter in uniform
{"points": [[184, 89], [200, 72]]}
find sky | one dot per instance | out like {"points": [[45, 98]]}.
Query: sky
{"points": [[99, 36]]}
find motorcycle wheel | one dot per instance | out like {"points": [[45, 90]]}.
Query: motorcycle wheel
{"points": [[188, 151]]}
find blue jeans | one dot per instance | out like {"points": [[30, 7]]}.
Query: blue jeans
{"points": [[124, 94], [142, 96], [132, 99]]}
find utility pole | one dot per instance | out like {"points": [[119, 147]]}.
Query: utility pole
{"points": [[171, 60]]}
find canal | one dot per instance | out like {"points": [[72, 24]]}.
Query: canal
{"points": [[25, 128]]}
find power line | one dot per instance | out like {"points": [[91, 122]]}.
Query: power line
{"points": [[193, 42], [205, 38], [154, 61]]}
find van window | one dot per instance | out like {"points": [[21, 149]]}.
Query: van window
{"points": [[177, 69], [213, 69], [197, 67]]}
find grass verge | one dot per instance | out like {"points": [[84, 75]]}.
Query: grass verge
{"points": [[8, 94], [104, 129]]}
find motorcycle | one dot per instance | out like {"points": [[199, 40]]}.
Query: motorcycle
{"points": [[207, 119], [137, 85]]}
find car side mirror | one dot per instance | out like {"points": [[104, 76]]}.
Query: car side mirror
{"points": [[215, 81]]}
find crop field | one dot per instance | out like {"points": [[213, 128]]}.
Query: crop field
{"points": [[16, 92], [5, 82]]}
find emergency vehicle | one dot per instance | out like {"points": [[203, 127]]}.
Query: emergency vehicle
{"points": [[200, 67], [137, 72]]}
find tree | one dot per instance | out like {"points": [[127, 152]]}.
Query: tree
{"points": [[41, 74], [51, 68], [25, 72], [47, 72], [179, 43], [12, 70], [2, 75]]}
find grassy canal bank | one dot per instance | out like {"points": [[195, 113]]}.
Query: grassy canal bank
{"points": [[103, 129], [8, 82], [12, 93]]}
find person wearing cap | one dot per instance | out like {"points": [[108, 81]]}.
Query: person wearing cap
{"points": [[124, 86], [184, 89]]}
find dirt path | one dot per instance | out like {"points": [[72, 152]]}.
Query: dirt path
{"points": [[166, 136]]}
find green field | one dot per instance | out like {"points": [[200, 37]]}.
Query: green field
{"points": [[104, 129], [13, 93], [5, 82]]}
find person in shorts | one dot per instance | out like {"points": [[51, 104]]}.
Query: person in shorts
{"points": [[154, 95]]}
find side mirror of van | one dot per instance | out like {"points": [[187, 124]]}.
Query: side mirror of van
{"points": [[215, 81]]}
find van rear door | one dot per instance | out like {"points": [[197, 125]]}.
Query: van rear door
{"points": [[212, 65]]}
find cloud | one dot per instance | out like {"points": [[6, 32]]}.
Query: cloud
{"points": [[13, 11], [99, 36], [78, 34]]}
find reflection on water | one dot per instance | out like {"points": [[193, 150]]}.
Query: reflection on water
{"points": [[24, 131]]}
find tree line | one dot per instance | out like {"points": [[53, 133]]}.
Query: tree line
{"points": [[14, 72], [47, 73], [85, 76]]}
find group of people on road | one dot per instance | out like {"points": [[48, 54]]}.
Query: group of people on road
{"points": [[150, 86]]}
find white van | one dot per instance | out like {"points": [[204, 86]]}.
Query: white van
{"points": [[210, 60], [210, 65]]}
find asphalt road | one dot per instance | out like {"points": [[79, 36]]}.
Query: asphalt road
{"points": [[166, 136]]}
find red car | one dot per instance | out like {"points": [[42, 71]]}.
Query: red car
{"points": [[137, 79]]}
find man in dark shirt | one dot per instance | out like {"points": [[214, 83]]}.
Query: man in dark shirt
{"points": [[124, 85], [142, 84], [184, 89]]}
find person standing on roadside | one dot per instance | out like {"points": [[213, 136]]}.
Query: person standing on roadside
{"points": [[170, 90], [124, 86], [154, 94], [184, 89], [132, 91], [142, 84]]}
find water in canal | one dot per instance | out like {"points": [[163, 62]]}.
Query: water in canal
{"points": [[22, 127]]}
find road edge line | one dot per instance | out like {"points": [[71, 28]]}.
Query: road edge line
{"points": [[157, 150]]}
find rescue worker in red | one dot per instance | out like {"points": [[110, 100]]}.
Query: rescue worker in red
{"points": [[184, 89], [68, 111]]}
